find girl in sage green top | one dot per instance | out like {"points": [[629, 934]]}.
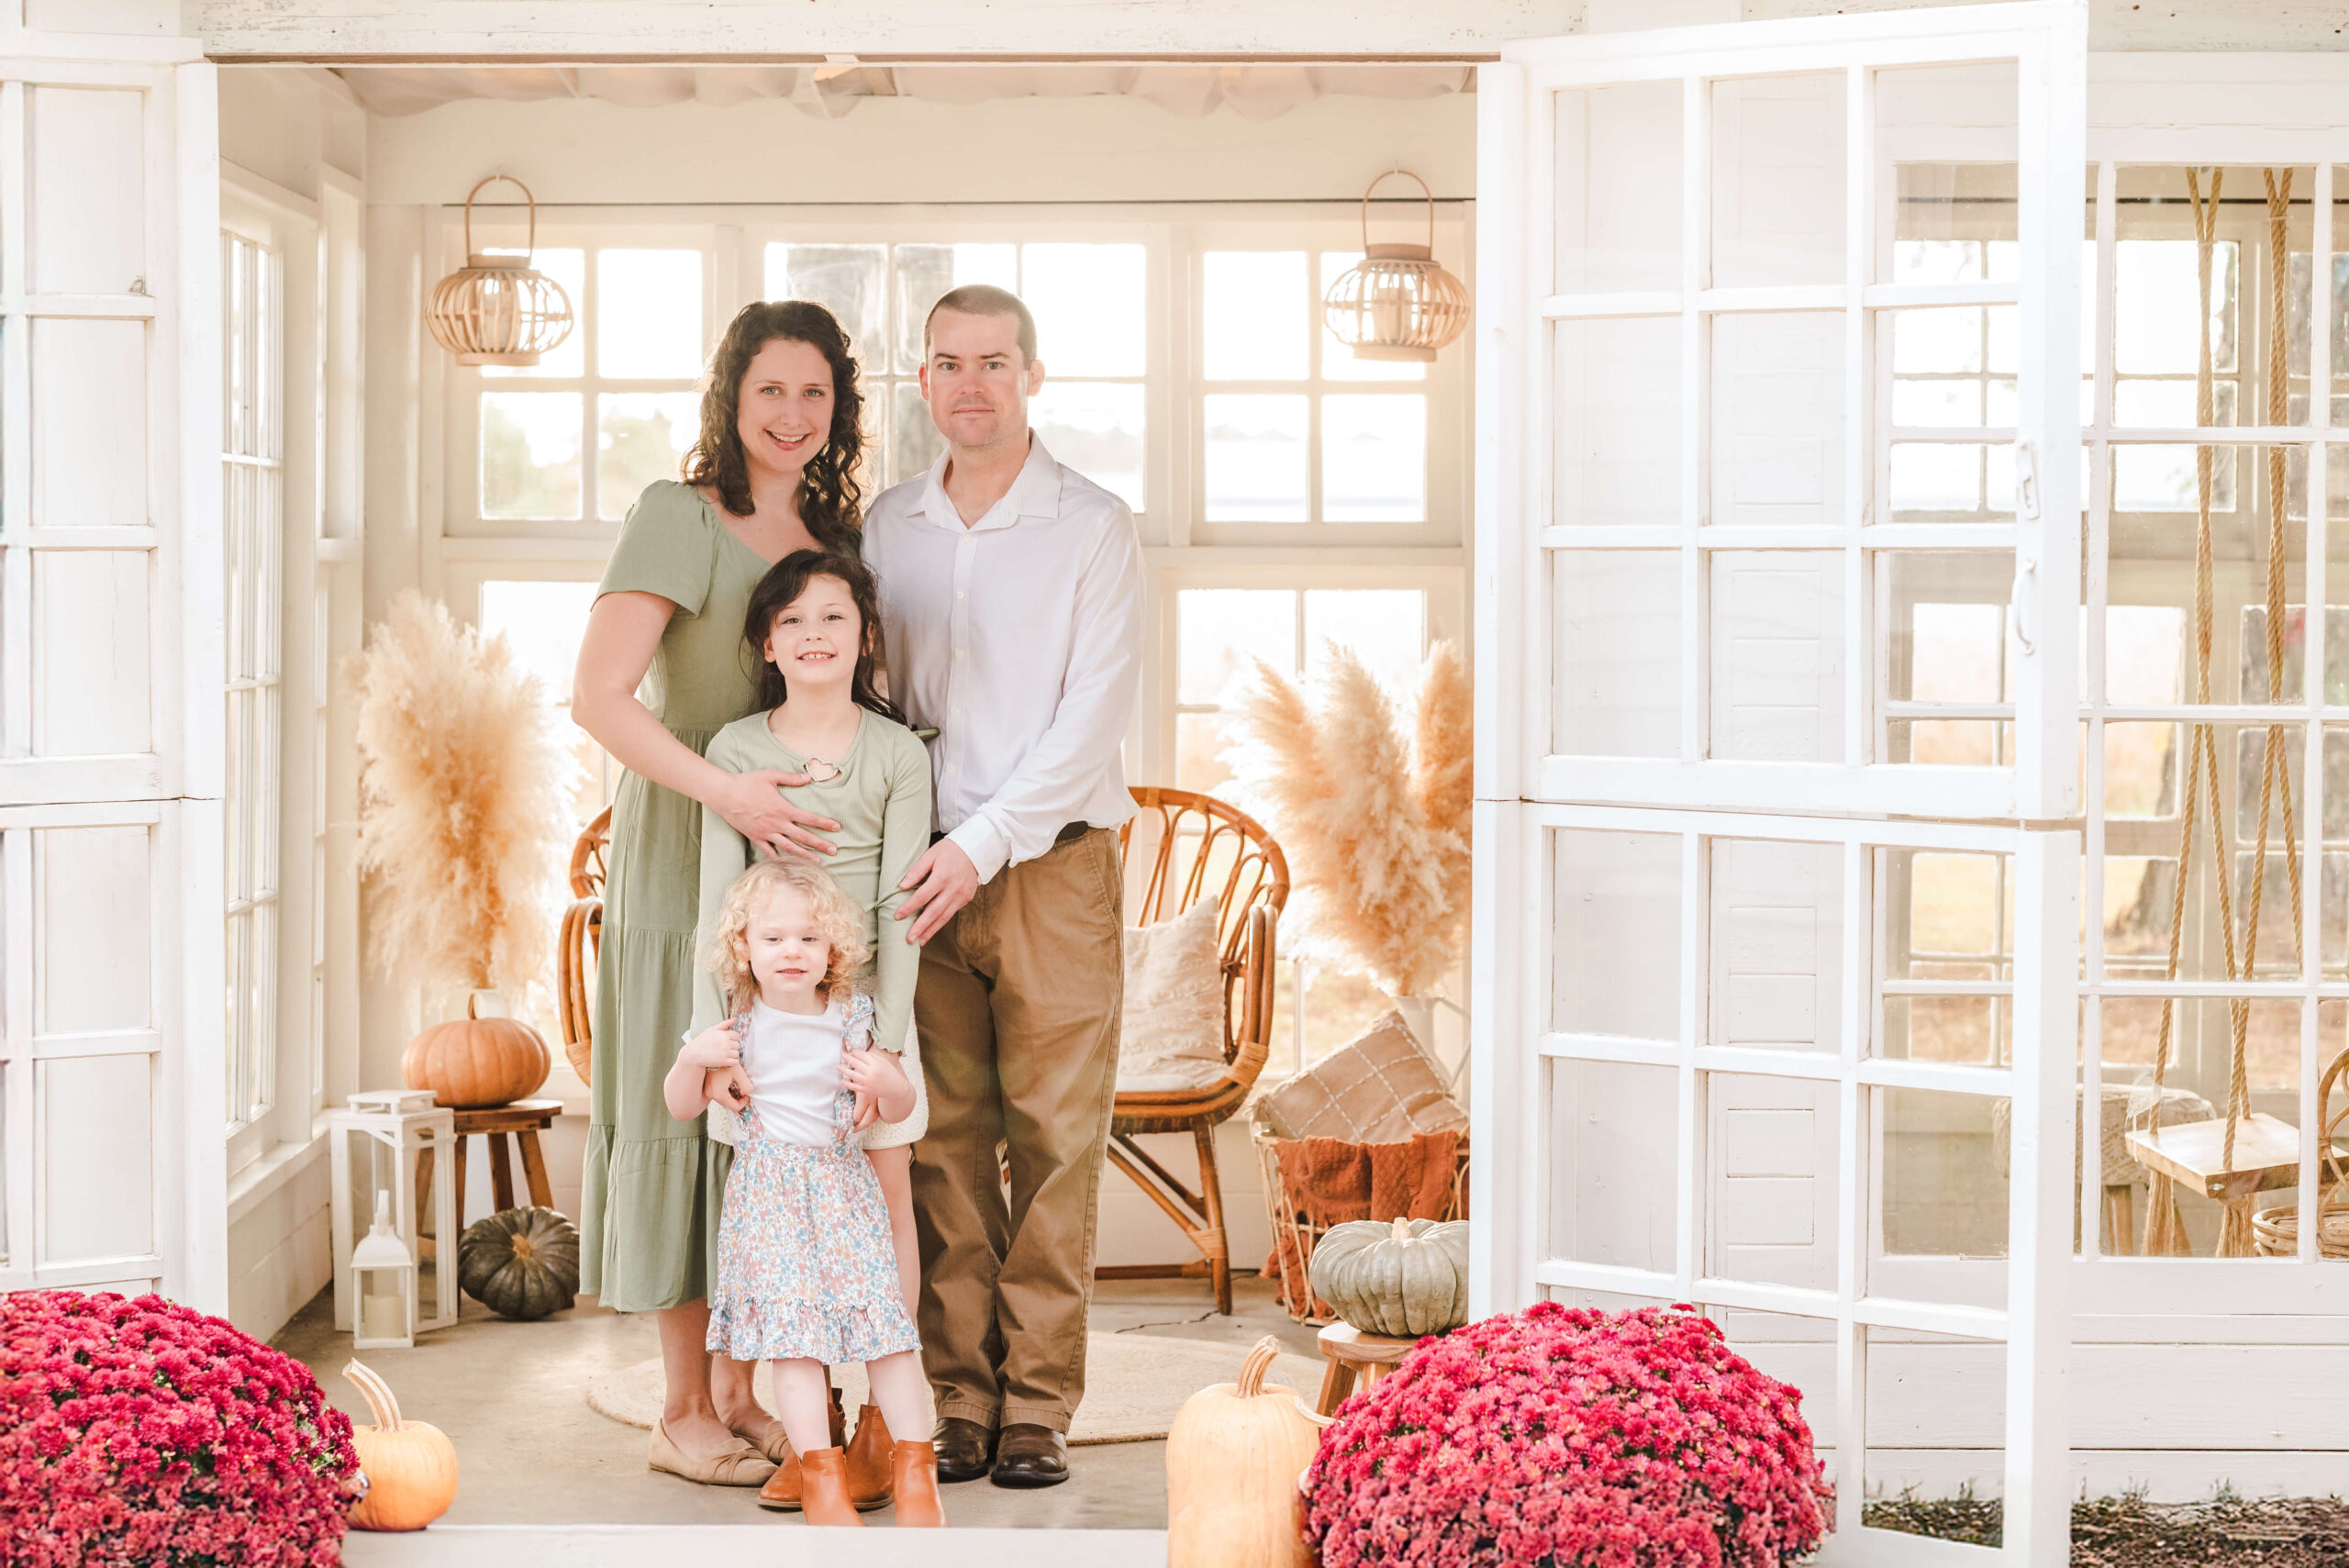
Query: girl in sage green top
{"points": [[814, 624]]}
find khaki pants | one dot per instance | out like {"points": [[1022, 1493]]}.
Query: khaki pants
{"points": [[1017, 1011]]}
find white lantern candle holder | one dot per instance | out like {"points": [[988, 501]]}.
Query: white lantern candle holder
{"points": [[383, 1281], [402, 1132]]}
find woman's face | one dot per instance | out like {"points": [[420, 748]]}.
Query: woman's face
{"points": [[815, 638], [785, 411]]}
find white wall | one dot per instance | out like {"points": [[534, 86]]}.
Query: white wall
{"points": [[905, 149]]}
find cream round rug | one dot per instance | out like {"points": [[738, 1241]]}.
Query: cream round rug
{"points": [[1133, 1385]]}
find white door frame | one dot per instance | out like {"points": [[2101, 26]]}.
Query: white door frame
{"points": [[1525, 794], [172, 788]]}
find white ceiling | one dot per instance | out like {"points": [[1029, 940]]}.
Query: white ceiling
{"points": [[1254, 91]]}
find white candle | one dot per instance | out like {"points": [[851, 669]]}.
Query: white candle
{"points": [[383, 1317]]}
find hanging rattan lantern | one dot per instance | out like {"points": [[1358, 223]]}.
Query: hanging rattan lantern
{"points": [[1397, 303], [499, 310]]}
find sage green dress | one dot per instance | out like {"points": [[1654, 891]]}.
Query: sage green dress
{"points": [[653, 1186]]}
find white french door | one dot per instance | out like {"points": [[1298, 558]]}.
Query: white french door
{"points": [[1777, 891], [111, 1093]]}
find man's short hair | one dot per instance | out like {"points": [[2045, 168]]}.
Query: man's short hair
{"points": [[986, 299]]}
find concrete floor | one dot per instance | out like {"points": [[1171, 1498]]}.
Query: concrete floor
{"points": [[531, 1453]]}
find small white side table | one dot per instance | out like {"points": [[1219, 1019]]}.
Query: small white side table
{"points": [[404, 1125]]}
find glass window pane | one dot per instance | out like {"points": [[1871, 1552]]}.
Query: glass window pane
{"points": [[566, 265], [1219, 631], [1252, 318], [1386, 628], [2157, 298], [1616, 687], [843, 279], [530, 454], [542, 622], [1778, 180], [1619, 174], [1255, 457], [1777, 418], [1618, 396], [1338, 361], [914, 440], [1777, 655], [648, 313], [925, 271], [1616, 963], [1096, 428], [1374, 458], [640, 436], [1090, 302]]}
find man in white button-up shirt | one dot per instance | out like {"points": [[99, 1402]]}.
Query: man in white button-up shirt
{"points": [[1011, 601]]}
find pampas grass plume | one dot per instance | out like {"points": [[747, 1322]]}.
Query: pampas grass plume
{"points": [[1444, 746], [1337, 782], [464, 804]]}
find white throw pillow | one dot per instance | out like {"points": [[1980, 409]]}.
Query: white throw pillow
{"points": [[1172, 1033]]}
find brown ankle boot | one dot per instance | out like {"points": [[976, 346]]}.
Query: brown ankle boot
{"points": [[823, 1480], [869, 1482], [782, 1489], [914, 1475]]}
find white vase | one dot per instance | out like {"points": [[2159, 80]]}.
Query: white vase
{"points": [[1419, 1016]]}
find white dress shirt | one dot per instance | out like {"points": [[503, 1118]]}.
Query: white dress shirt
{"points": [[1018, 638]]}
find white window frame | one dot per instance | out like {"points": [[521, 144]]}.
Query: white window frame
{"points": [[315, 1010], [1444, 584]]}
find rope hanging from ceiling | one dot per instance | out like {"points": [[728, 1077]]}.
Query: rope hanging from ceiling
{"points": [[2165, 1229]]}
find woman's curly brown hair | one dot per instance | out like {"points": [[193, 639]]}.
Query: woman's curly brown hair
{"points": [[831, 496]]}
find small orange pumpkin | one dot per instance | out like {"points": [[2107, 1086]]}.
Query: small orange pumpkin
{"points": [[411, 1467], [477, 1062]]}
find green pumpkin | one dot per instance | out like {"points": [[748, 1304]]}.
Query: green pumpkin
{"points": [[522, 1263], [1403, 1278]]}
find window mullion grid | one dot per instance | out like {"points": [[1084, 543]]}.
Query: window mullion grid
{"points": [[2096, 591], [2314, 596]]}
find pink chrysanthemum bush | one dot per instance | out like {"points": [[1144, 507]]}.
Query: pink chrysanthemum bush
{"points": [[1559, 1439], [143, 1433]]}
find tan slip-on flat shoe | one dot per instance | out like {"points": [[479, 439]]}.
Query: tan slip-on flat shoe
{"points": [[740, 1465]]}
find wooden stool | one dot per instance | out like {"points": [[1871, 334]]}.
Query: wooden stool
{"points": [[525, 1119], [1351, 1353]]}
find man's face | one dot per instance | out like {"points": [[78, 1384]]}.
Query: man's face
{"points": [[975, 381]]}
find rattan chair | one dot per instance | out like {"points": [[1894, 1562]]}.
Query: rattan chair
{"points": [[1183, 846], [581, 943]]}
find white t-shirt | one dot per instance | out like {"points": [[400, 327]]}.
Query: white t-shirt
{"points": [[793, 1061]]}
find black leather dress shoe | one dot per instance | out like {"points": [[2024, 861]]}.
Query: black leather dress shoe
{"points": [[965, 1449], [1029, 1455]]}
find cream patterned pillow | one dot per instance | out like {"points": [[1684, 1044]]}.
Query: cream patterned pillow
{"points": [[1172, 1034], [1382, 1088]]}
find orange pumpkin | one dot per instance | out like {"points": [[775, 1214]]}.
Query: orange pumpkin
{"points": [[411, 1467], [477, 1062], [1232, 1460]]}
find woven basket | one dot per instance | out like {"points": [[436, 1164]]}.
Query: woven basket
{"points": [[1291, 1229]]}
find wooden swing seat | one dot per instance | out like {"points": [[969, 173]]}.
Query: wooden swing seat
{"points": [[2267, 1156]]}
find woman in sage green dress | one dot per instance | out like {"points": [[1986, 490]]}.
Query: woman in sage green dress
{"points": [[661, 669]]}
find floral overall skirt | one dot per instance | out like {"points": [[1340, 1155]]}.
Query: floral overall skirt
{"points": [[805, 1265]]}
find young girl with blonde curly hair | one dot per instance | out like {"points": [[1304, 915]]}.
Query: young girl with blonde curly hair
{"points": [[806, 1270]]}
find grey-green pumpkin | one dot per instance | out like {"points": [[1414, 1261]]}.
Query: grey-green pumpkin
{"points": [[520, 1262], [1402, 1278]]}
